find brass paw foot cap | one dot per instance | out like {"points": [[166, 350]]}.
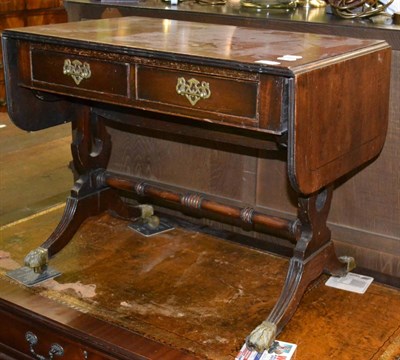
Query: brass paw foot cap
{"points": [[37, 259], [262, 337]]}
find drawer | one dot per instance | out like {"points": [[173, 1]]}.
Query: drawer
{"points": [[79, 75], [225, 99], [27, 338], [214, 95]]}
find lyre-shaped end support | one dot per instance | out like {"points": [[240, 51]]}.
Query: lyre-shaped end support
{"points": [[262, 337], [37, 260]]}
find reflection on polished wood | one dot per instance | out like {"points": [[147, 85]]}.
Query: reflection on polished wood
{"points": [[363, 223], [323, 137], [183, 294]]}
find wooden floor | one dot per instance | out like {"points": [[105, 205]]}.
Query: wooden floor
{"points": [[183, 288], [34, 172]]}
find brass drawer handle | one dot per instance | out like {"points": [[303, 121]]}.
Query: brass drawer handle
{"points": [[193, 89], [77, 70], [55, 349]]}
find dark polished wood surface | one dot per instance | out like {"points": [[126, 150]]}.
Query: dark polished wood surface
{"points": [[97, 305], [322, 61], [81, 336], [363, 223], [59, 69]]}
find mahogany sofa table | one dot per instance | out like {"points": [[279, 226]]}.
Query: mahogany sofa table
{"points": [[321, 99]]}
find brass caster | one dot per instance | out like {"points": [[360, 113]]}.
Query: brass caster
{"points": [[153, 222], [37, 260], [349, 260], [146, 210], [148, 217], [262, 337]]}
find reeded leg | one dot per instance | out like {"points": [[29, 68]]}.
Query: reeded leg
{"points": [[314, 253], [77, 210], [91, 149]]}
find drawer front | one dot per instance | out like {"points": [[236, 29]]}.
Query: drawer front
{"points": [[32, 339], [214, 95], [78, 74], [197, 92]]}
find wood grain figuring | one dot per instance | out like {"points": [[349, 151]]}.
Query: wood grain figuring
{"points": [[23, 115], [95, 191], [11, 5], [162, 160], [170, 295], [364, 223], [206, 43], [80, 335], [382, 209], [272, 92], [43, 4], [197, 202], [160, 86], [323, 155], [115, 82], [203, 302]]}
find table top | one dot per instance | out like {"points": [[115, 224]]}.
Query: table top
{"points": [[261, 80], [255, 49]]}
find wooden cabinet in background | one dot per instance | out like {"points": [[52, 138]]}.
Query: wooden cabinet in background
{"points": [[20, 13]]}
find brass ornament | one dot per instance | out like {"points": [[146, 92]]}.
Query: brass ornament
{"points": [[211, 2], [77, 70], [269, 4], [37, 260], [193, 89], [55, 349], [351, 9]]}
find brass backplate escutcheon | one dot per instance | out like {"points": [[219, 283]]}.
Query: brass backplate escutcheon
{"points": [[77, 70], [193, 89]]}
